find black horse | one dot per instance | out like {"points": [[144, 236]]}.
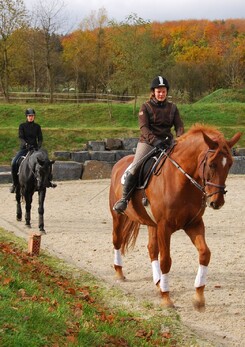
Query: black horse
{"points": [[35, 173]]}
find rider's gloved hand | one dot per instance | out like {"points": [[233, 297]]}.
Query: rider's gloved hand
{"points": [[162, 144], [29, 147]]}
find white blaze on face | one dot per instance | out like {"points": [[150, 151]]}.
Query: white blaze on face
{"points": [[224, 161]]}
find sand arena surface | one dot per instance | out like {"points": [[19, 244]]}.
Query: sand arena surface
{"points": [[79, 227]]}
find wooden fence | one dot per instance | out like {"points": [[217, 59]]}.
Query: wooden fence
{"points": [[72, 97]]}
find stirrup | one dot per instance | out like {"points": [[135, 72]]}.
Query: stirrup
{"points": [[120, 206]]}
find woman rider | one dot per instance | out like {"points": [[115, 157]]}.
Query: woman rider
{"points": [[31, 137], [156, 118]]}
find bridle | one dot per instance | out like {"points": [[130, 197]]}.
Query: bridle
{"points": [[221, 188], [205, 182], [36, 171]]}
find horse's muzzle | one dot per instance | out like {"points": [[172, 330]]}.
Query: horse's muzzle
{"points": [[215, 201], [214, 205]]}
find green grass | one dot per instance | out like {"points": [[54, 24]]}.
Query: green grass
{"points": [[224, 96], [70, 126], [44, 302]]}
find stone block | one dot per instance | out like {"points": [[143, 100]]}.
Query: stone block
{"points": [[238, 151], [62, 155], [67, 170], [81, 156], [113, 144], [5, 177], [238, 166], [130, 143], [94, 169], [96, 146], [103, 156], [5, 168], [123, 153]]}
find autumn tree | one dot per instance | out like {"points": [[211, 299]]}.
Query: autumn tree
{"points": [[136, 56], [49, 19], [87, 53], [12, 16], [76, 55]]}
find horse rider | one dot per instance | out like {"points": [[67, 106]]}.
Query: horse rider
{"points": [[156, 118], [31, 138]]}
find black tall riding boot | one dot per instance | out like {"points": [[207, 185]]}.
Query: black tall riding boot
{"points": [[14, 174], [128, 188]]}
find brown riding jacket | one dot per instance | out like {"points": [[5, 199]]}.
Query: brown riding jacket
{"points": [[156, 120]]}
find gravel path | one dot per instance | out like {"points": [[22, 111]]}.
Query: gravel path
{"points": [[78, 225]]}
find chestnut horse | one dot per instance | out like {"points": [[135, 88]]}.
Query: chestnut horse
{"points": [[192, 177]]}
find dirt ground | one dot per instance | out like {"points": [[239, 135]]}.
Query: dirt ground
{"points": [[78, 226]]}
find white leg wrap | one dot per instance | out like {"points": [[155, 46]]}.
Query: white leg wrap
{"points": [[117, 257], [156, 272], [201, 276], [164, 285]]}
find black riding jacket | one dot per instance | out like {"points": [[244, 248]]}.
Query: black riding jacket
{"points": [[30, 133]]}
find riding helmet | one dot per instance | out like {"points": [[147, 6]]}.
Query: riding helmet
{"points": [[30, 111], [159, 81]]}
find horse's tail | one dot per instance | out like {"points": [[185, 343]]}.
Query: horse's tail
{"points": [[130, 231]]}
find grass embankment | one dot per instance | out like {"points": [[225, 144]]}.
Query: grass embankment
{"points": [[70, 126], [43, 302]]}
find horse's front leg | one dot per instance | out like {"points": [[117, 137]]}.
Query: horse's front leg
{"points": [[196, 233], [18, 204], [28, 199], [153, 254], [164, 236], [41, 198], [117, 239]]}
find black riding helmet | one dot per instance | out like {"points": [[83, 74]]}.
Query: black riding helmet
{"points": [[159, 81], [30, 111]]}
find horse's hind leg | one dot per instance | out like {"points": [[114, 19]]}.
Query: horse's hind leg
{"points": [[118, 221], [18, 204]]}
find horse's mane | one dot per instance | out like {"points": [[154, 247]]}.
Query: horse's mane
{"points": [[199, 129], [41, 154]]}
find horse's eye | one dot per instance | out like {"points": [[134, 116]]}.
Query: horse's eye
{"points": [[212, 166]]}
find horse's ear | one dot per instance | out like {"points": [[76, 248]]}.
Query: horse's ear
{"points": [[211, 143], [234, 139]]}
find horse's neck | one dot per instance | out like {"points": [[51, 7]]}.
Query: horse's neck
{"points": [[186, 154]]}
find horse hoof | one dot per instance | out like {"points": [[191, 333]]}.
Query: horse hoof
{"points": [[19, 219], [168, 304], [166, 301], [28, 225], [199, 305], [120, 279], [42, 231]]}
